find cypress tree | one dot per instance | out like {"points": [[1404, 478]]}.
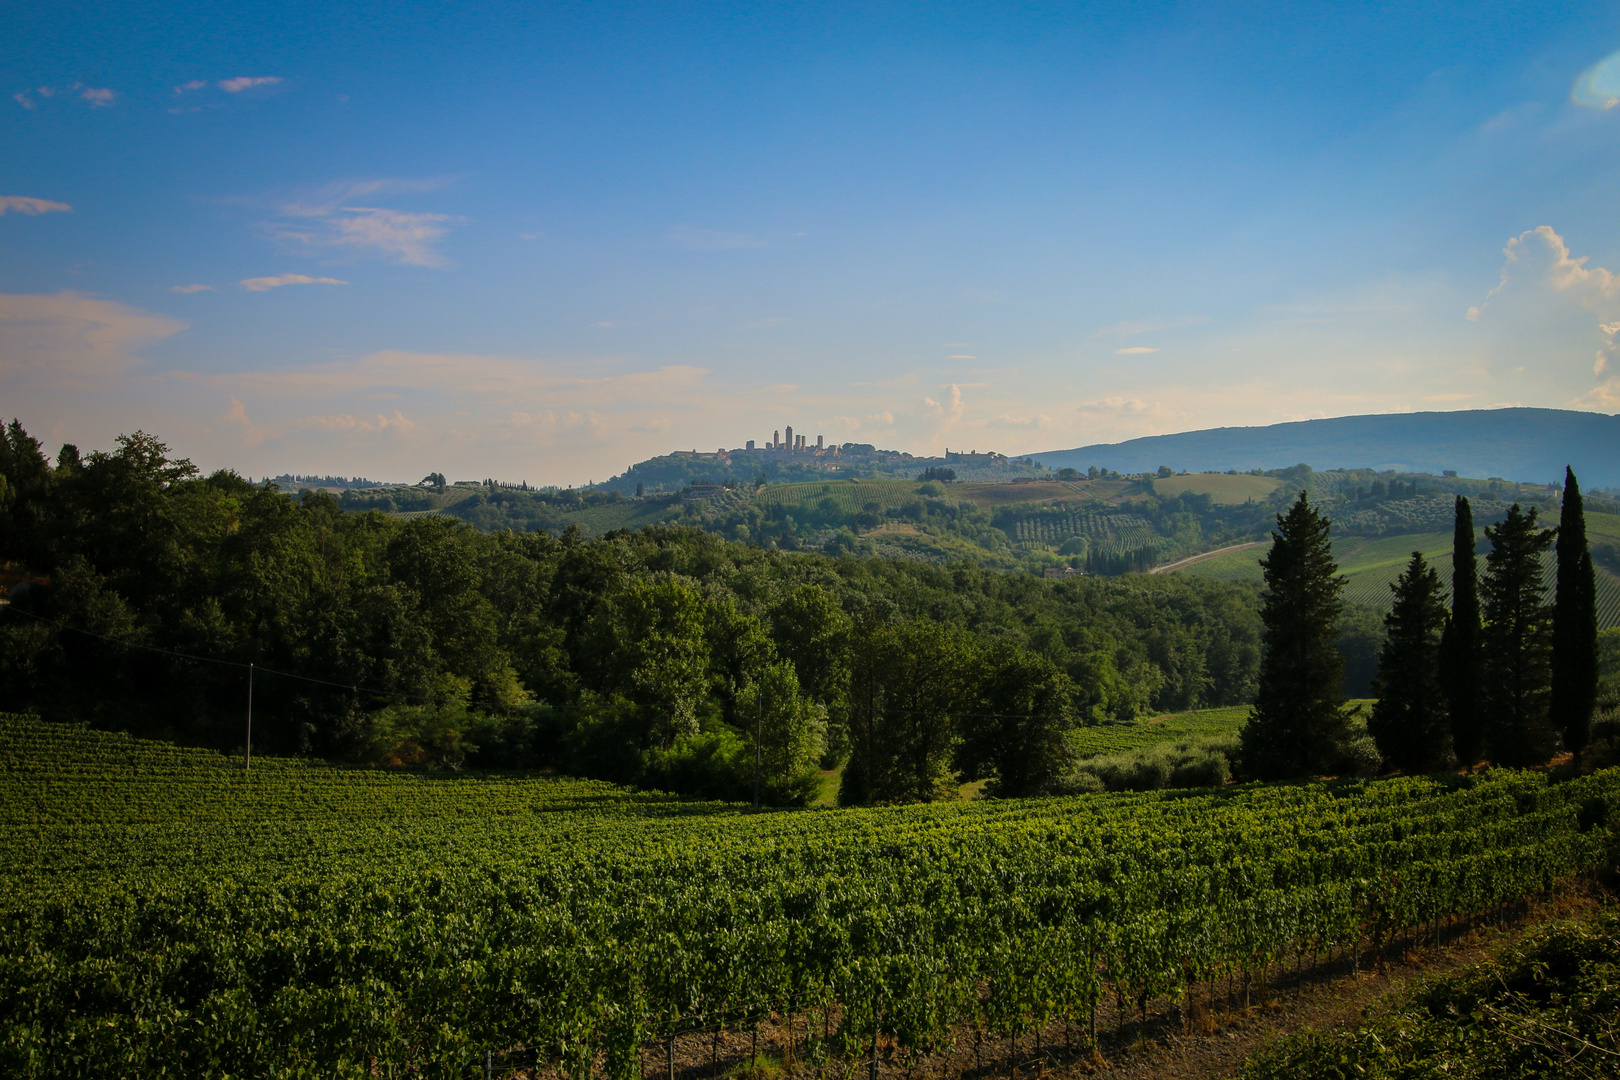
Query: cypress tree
{"points": [[1574, 632], [1516, 643], [1409, 721], [1459, 644], [1300, 725]]}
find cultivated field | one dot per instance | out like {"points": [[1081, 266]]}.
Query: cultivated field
{"points": [[1220, 487], [163, 912]]}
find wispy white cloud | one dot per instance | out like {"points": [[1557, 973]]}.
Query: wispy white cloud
{"points": [[72, 341], [263, 284], [372, 424], [1598, 87], [97, 96], [321, 221], [22, 98], [961, 356], [188, 87], [252, 434], [247, 82], [684, 236], [190, 288], [1134, 350], [22, 204]]}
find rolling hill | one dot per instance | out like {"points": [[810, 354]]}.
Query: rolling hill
{"points": [[1525, 444], [1370, 566]]}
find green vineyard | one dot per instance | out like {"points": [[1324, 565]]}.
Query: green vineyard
{"points": [[1110, 533], [166, 913]]}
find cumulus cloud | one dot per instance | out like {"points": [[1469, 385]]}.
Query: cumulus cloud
{"points": [[948, 411], [97, 96], [1550, 304], [183, 289], [264, 284], [247, 82], [188, 87], [22, 204], [24, 100]]}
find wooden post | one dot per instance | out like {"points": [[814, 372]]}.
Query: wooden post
{"points": [[248, 760]]}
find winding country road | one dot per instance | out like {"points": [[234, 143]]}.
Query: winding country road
{"points": [[1179, 563]]}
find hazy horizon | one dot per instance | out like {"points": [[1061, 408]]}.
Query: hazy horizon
{"points": [[543, 243]]}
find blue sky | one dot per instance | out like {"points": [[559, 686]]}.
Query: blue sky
{"points": [[544, 241]]}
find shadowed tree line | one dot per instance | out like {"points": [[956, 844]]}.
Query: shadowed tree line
{"points": [[1500, 674], [665, 657]]}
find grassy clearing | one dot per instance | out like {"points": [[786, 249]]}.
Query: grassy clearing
{"points": [[1603, 527], [1221, 488], [1199, 723]]}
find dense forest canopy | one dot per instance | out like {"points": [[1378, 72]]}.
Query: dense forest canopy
{"points": [[657, 656]]}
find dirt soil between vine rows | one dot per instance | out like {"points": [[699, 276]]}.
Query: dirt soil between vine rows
{"points": [[1221, 1026]]}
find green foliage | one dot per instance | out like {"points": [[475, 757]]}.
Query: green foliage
{"points": [[1574, 629], [1022, 734], [1299, 726], [787, 736], [1543, 1007], [1183, 763], [1459, 659], [1516, 643], [163, 913], [1410, 722], [591, 655]]}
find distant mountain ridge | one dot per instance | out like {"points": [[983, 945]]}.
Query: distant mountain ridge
{"points": [[1516, 444]]}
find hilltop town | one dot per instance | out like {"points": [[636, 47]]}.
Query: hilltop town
{"points": [[788, 457]]}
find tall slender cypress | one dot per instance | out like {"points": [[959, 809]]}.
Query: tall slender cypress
{"points": [[1574, 634], [1409, 721], [1459, 644], [1516, 643], [1299, 725]]}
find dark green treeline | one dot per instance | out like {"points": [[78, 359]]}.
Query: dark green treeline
{"points": [[665, 657], [1503, 675]]}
